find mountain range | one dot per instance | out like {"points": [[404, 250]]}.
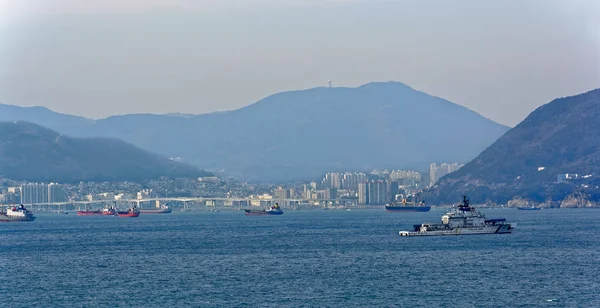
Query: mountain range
{"points": [[299, 135], [34, 153], [551, 156]]}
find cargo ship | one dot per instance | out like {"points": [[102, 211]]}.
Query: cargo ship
{"points": [[407, 207], [461, 220], [89, 213], [16, 213], [132, 212], [273, 210], [162, 210]]}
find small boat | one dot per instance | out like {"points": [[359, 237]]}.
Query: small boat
{"points": [[89, 213], [273, 210], [531, 208], [132, 212], [16, 213]]}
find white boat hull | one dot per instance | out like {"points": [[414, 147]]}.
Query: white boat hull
{"points": [[500, 229]]}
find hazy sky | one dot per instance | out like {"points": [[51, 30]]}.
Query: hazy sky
{"points": [[99, 58]]}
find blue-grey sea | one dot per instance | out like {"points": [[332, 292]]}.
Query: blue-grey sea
{"points": [[300, 259]]}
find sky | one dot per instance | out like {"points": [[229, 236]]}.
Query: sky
{"points": [[93, 58]]}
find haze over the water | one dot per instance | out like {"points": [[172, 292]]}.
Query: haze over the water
{"points": [[100, 58]]}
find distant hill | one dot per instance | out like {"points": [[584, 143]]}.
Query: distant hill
{"points": [[560, 137], [302, 134], [42, 116], [33, 153]]}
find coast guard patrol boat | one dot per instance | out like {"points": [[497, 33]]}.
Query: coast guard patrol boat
{"points": [[461, 220]]}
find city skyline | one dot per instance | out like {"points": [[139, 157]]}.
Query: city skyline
{"points": [[108, 58], [376, 187]]}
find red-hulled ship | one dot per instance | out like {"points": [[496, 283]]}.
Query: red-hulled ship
{"points": [[132, 212], [89, 213]]}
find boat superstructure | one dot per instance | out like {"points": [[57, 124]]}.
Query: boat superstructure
{"points": [[109, 211], [16, 213], [461, 220]]}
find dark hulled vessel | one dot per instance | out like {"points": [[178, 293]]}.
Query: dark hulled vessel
{"points": [[407, 207], [273, 210]]}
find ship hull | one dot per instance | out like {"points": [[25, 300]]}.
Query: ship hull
{"points": [[529, 208], [500, 229], [156, 211], [262, 213], [4, 218], [89, 213], [407, 208], [128, 214]]}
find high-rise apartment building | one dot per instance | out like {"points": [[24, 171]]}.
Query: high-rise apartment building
{"points": [[351, 180], [33, 193], [437, 172], [378, 193], [394, 189], [330, 193], [332, 180], [56, 193], [363, 196], [283, 193]]}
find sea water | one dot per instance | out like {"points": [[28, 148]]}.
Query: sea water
{"points": [[300, 259]]}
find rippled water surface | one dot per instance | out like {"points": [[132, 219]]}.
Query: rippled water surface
{"points": [[302, 258]]}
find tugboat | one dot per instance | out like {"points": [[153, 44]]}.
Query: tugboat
{"points": [[16, 213], [273, 210], [461, 220], [132, 212], [402, 206]]}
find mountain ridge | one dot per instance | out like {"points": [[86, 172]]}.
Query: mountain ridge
{"points": [[31, 152], [560, 137], [6, 108], [298, 135]]}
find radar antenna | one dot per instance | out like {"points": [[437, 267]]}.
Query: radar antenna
{"points": [[465, 201]]}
